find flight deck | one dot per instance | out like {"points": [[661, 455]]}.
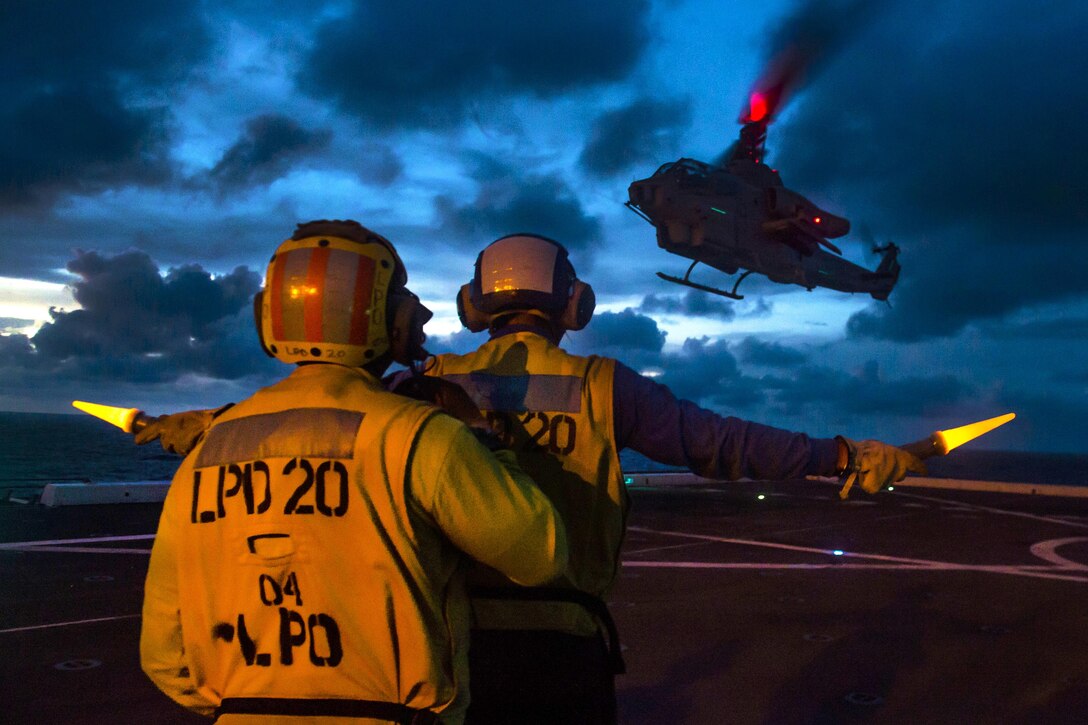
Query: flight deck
{"points": [[745, 602]]}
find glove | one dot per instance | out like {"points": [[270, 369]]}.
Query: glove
{"points": [[452, 399], [874, 465], [179, 432]]}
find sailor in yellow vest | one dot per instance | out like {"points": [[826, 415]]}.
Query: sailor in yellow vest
{"points": [[537, 655], [309, 560]]}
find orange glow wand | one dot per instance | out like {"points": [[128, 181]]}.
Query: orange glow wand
{"points": [[130, 420], [942, 441]]}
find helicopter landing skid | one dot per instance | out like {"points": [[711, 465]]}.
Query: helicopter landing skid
{"points": [[713, 290]]}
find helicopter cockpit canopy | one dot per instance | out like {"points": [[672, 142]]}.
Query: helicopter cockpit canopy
{"points": [[690, 166]]}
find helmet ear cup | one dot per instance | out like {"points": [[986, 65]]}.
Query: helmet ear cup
{"points": [[580, 306], [258, 305], [472, 317]]}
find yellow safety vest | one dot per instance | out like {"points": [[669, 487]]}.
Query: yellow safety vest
{"points": [[555, 410], [302, 569]]}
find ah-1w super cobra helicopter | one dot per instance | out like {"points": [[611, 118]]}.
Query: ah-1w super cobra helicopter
{"points": [[739, 216]]}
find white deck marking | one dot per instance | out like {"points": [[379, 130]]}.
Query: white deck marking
{"points": [[85, 550], [1058, 571], [791, 547], [68, 624], [989, 509], [666, 548], [1033, 572], [61, 542], [1045, 551]]}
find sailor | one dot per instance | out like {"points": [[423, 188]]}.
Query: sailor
{"points": [[309, 558], [537, 654]]}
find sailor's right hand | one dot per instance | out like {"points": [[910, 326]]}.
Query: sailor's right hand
{"points": [[450, 397], [178, 432]]}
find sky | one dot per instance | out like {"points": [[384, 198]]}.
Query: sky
{"points": [[153, 155]]}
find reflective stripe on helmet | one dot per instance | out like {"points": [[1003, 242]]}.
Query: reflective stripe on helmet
{"points": [[360, 309], [349, 287], [315, 294]]}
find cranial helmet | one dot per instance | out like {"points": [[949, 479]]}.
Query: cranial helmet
{"points": [[336, 292], [525, 273]]}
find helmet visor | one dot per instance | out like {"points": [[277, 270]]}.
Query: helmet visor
{"points": [[325, 299]]}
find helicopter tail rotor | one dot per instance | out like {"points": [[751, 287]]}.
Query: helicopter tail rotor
{"points": [[887, 272]]}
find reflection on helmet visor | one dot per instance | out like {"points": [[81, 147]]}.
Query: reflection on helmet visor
{"points": [[518, 263]]}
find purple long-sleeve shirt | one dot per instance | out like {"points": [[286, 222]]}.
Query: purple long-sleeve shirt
{"points": [[649, 419]]}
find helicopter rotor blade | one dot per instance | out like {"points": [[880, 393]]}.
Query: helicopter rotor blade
{"points": [[869, 244], [781, 77]]}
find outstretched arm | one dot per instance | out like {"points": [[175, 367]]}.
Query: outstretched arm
{"points": [[649, 419], [179, 432]]}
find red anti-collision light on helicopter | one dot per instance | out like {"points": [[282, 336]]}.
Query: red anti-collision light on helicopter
{"points": [[757, 107]]}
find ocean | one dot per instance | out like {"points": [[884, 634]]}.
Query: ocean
{"points": [[36, 449]]}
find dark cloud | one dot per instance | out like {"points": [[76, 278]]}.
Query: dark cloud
{"points": [[867, 392], [15, 351], [755, 351], [645, 131], [511, 201], [82, 92], [968, 141], [1046, 420], [705, 371], [692, 302], [1046, 329], [270, 144], [947, 288], [805, 41], [135, 325], [427, 63], [760, 307], [75, 139], [381, 165], [625, 330]]}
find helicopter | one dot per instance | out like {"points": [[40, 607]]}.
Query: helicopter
{"points": [[737, 215]]}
